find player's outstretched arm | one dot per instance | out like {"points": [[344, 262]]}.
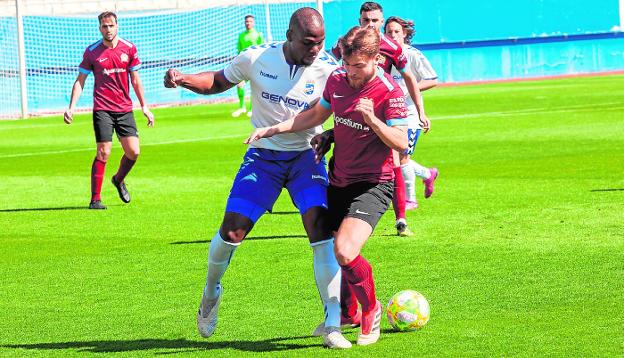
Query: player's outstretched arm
{"points": [[307, 119], [210, 82], [68, 116], [414, 91], [138, 89]]}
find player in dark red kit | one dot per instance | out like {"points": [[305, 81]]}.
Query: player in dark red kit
{"points": [[391, 55], [111, 59], [370, 121]]}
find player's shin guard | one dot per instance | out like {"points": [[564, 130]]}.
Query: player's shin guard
{"points": [[327, 275], [359, 274], [398, 199], [125, 165], [420, 171], [410, 181], [97, 176], [219, 258]]}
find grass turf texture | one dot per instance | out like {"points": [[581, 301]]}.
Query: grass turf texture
{"points": [[520, 251]]}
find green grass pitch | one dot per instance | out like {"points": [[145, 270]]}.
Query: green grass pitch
{"points": [[520, 251]]}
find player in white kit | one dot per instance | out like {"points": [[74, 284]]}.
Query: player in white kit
{"points": [[402, 31], [286, 78]]}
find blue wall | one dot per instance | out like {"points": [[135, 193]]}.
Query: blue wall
{"points": [[450, 33], [469, 20]]}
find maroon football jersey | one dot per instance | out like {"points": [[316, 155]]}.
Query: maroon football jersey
{"points": [[359, 154], [110, 67]]}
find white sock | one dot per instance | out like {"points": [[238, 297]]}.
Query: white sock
{"points": [[219, 257], [327, 275], [410, 181], [420, 171]]}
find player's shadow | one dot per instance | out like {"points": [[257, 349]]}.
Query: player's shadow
{"points": [[609, 189], [173, 346], [62, 208], [273, 237]]}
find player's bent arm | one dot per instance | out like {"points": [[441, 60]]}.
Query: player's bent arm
{"points": [[414, 91], [210, 82], [394, 137], [427, 84]]}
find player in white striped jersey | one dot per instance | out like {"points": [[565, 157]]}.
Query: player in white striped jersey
{"points": [[286, 78], [402, 31]]}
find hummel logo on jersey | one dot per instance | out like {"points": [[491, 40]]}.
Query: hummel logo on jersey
{"points": [[100, 60], [314, 176], [337, 96], [267, 75], [361, 212]]}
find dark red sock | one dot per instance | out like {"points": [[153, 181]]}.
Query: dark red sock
{"points": [[348, 302], [398, 199], [97, 175], [124, 167], [359, 274]]}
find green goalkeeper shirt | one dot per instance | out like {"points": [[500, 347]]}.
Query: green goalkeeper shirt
{"points": [[249, 38]]}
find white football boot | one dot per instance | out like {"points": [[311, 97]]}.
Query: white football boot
{"points": [[370, 327], [333, 338], [207, 314]]}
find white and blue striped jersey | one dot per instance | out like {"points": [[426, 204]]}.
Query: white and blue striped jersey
{"points": [[280, 90]]}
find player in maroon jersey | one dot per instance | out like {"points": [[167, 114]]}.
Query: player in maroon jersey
{"points": [[391, 55], [111, 59], [370, 121]]}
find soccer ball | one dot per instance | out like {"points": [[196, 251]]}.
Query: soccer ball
{"points": [[408, 311]]}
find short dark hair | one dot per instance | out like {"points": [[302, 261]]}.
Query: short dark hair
{"points": [[106, 14], [362, 40], [370, 6], [248, 16], [407, 25]]}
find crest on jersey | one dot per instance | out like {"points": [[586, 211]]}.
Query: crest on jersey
{"points": [[381, 59], [124, 57], [309, 88]]}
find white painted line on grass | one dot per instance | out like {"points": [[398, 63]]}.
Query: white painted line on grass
{"points": [[191, 140]]}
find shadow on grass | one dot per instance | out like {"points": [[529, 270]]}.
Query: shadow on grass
{"points": [[248, 238], [284, 213], [85, 207], [175, 345], [612, 189]]}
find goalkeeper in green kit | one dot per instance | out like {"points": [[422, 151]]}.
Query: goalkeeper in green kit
{"points": [[247, 38]]}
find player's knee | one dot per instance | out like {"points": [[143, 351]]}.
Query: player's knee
{"points": [[343, 254], [133, 154], [233, 236], [103, 153]]}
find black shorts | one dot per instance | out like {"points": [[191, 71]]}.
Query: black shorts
{"points": [[365, 201], [104, 122]]}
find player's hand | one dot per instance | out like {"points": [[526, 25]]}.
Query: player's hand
{"points": [[149, 115], [68, 117], [171, 78], [260, 133], [425, 123], [321, 144], [365, 106]]}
